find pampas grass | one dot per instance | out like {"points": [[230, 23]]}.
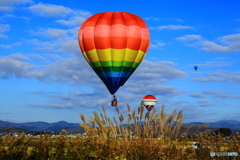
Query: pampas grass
{"points": [[131, 136]]}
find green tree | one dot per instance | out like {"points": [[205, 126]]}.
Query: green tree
{"points": [[224, 131]]}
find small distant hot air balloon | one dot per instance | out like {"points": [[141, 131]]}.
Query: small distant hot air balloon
{"points": [[149, 101], [114, 44], [195, 67]]}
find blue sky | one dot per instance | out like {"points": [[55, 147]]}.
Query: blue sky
{"points": [[44, 77]]}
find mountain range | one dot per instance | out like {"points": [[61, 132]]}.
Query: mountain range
{"points": [[43, 126], [75, 127]]}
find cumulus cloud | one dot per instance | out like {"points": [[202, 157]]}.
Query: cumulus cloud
{"points": [[73, 21], [62, 45], [12, 67], [153, 89], [58, 40], [197, 95], [9, 5], [229, 39], [71, 17], [156, 72], [224, 44], [50, 10], [220, 76], [76, 71], [50, 32], [19, 57], [210, 46], [10, 2]]}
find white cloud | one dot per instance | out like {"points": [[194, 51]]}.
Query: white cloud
{"points": [[7, 15], [4, 28], [11, 67], [152, 90], [204, 103], [6, 8], [219, 94], [62, 45], [227, 44], [229, 39], [189, 38], [217, 63], [9, 5], [50, 10], [172, 27], [18, 56], [10, 46], [213, 47], [77, 71], [152, 18], [197, 95], [50, 32], [10, 2], [163, 19], [74, 17], [156, 72], [179, 20], [73, 21], [209, 79], [54, 105], [220, 76], [65, 97], [157, 45], [3, 36]]}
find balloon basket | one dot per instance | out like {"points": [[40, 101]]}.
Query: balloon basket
{"points": [[114, 103]]}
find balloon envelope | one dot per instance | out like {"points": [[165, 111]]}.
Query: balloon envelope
{"points": [[195, 67], [114, 44], [149, 101]]}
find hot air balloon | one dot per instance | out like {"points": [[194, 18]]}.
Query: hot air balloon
{"points": [[114, 44], [149, 101], [195, 67]]}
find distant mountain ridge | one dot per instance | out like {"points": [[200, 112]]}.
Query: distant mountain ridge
{"points": [[40, 126], [232, 124], [58, 126]]}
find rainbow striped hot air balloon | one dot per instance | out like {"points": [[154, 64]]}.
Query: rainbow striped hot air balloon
{"points": [[114, 44], [149, 101]]}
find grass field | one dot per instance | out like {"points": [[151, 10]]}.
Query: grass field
{"points": [[162, 137]]}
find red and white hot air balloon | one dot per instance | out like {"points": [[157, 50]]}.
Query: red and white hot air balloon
{"points": [[149, 101]]}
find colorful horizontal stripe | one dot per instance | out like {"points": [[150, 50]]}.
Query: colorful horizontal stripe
{"points": [[114, 44], [114, 55]]}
